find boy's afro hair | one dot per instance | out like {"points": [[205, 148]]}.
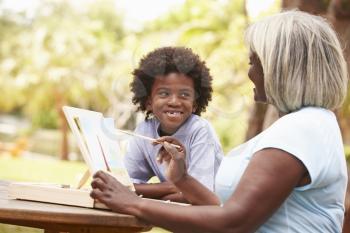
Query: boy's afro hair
{"points": [[164, 61]]}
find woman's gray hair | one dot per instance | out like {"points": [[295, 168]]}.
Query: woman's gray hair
{"points": [[302, 60]]}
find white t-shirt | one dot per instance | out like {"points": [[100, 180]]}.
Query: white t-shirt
{"points": [[203, 151], [313, 136]]}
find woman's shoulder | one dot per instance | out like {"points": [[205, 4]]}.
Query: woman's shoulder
{"points": [[307, 131], [298, 130], [308, 113], [315, 118]]}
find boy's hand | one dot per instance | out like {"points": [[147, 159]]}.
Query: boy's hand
{"points": [[174, 157]]}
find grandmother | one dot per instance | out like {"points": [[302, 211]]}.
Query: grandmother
{"points": [[290, 178]]}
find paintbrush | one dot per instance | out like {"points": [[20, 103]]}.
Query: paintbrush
{"points": [[143, 137]]}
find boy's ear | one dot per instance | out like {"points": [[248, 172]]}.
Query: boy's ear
{"points": [[148, 105], [194, 107]]}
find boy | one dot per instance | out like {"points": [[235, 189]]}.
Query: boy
{"points": [[173, 87]]}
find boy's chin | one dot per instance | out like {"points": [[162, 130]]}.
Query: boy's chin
{"points": [[170, 129]]}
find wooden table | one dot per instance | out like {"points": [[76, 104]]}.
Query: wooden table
{"points": [[59, 218]]}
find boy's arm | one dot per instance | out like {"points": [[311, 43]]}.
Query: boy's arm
{"points": [[193, 192], [205, 156], [137, 166], [175, 197], [157, 190]]}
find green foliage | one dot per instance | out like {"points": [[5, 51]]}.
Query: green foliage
{"points": [[215, 31], [52, 61], [346, 104], [47, 60], [46, 119], [347, 152], [41, 107]]}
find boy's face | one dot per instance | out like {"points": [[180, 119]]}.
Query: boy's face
{"points": [[172, 101]]}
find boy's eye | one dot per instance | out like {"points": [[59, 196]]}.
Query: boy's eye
{"points": [[163, 93], [185, 94]]}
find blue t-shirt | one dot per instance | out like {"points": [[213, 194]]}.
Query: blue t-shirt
{"points": [[313, 136], [203, 151]]}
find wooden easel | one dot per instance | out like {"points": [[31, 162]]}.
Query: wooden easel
{"points": [[83, 179]]}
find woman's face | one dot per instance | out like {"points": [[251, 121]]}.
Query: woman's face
{"points": [[256, 75]]}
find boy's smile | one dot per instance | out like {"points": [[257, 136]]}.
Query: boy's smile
{"points": [[172, 101]]}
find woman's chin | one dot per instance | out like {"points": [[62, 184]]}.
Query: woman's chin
{"points": [[260, 99]]}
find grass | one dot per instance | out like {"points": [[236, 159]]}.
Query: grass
{"points": [[4, 228], [41, 170]]}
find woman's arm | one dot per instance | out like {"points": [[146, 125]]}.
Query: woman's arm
{"points": [[267, 182], [192, 190], [195, 192]]}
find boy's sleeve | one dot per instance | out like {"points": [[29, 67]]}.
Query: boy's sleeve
{"points": [[204, 158], [136, 163]]}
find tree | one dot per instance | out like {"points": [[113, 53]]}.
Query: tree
{"points": [[214, 30], [338, 13], [57, 62]]}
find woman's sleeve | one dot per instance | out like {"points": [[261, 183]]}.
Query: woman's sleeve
{"points": [[303, 139]]}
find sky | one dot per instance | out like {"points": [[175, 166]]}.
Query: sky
{"points": [[134, 10], [254, 7]]}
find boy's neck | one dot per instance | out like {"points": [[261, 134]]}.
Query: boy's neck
{"points": [[162, 133]]}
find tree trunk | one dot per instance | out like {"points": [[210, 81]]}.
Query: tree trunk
{"points": [[62, 125], [256, 120], [339, 15], [64, 142], [315, 7]]}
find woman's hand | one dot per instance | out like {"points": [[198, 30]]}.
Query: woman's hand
{"points": [[109, 191], [174, 157]]}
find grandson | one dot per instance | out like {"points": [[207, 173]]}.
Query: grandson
{"points": [[173, 87]]}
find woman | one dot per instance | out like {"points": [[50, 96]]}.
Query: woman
{"points": [[291, 177]]}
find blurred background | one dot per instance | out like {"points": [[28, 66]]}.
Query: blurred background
{"points": [[81, 53]]}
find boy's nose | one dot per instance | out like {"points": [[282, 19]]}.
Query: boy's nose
{"points": [[173, 100]]}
